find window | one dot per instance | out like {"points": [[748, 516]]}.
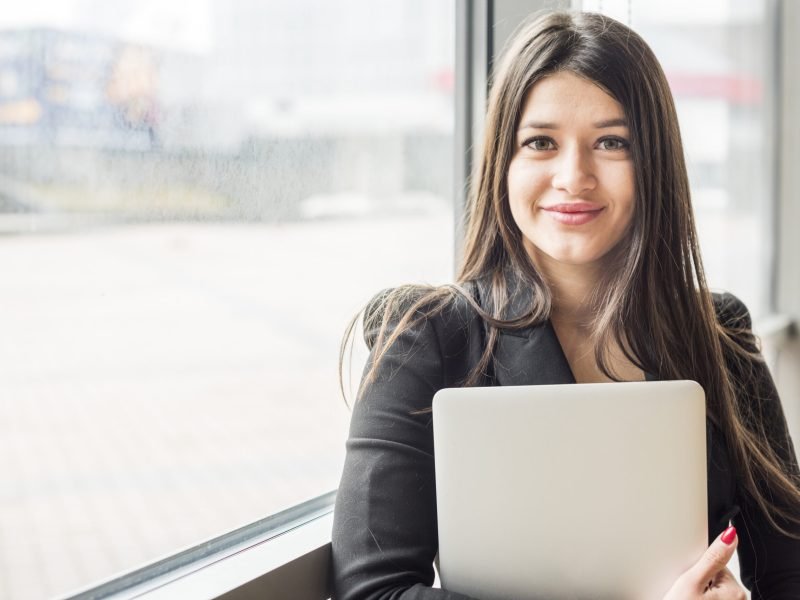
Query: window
{"points": [[194, 200]]}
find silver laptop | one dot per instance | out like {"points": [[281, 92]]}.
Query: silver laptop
{"points": [[570, 491]]}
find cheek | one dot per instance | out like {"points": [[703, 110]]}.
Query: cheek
{"points": [[525, 184], [514, 182], [624, 222], [630, 201], [624, 190]]}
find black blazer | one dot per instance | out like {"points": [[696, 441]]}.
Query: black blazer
{"points": [[385, 529]]}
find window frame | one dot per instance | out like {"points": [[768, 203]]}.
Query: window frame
{"points": [[261, 553]]}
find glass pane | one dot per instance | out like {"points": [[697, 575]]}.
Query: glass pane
{"points": [[194, 200], [719, 57]]}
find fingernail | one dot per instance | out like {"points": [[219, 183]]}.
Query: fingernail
{"points": [[729, 535]]}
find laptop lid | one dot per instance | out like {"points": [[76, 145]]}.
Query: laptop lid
{"points": [[570, 491]]}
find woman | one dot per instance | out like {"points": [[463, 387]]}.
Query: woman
{"points": [[581, 263]]}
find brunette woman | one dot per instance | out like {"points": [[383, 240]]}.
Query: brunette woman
{"points": [[581, 264]]}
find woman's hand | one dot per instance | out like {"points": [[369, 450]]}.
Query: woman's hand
{"points": [[709, 578]]}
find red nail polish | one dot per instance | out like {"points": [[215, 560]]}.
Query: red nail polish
{"points": [[729, 535]]}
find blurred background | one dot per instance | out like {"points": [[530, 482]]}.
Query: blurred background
{"points": [[195, 198]]}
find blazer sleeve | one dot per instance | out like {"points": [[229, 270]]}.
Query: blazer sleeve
{"points": [[769, 561], [385, 534]]}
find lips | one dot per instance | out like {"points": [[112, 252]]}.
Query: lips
{"points": [[574, 213]]}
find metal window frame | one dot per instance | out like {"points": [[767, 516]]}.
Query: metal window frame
{"points": [[473, 62], [774, 99], [262, 555], [787, 215]]}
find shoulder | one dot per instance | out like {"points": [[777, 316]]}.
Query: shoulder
{"points": [[435, 333], [731, 312], [445, 311], [736, 325]]}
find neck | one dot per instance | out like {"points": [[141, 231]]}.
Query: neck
{"points": [[572, 287]]}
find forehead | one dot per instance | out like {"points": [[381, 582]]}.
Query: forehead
{"points": [[572, 96]]}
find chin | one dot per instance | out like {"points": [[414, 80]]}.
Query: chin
{"points": [[574, 255], [575, 259]]}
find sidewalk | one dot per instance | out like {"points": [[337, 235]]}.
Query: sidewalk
{"points": [[164, 384]]}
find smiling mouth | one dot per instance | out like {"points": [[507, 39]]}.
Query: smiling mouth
{"points": [[574, 213]]}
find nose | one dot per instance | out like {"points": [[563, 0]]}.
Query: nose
{"points": [[574, 172]]}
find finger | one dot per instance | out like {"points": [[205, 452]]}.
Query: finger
{"points": [[714, 559]]}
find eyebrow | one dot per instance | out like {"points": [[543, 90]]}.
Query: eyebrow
{"points": [[616, 122]]}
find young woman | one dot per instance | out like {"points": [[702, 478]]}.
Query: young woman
{"points": [[581, 263]]}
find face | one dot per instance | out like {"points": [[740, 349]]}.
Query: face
{"points": [[571, 181]]}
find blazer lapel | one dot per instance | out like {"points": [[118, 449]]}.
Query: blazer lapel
{"points": [[531, 357]]}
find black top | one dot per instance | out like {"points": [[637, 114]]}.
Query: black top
{"points": [[385, 529]]}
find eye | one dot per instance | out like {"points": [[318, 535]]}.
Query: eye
{"points": [[540, 144], [613, 143]]}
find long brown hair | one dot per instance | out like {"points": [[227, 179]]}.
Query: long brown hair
{"points": [[656, 305]]}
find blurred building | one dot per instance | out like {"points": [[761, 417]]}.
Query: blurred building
{"points": [[65, 88]]}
